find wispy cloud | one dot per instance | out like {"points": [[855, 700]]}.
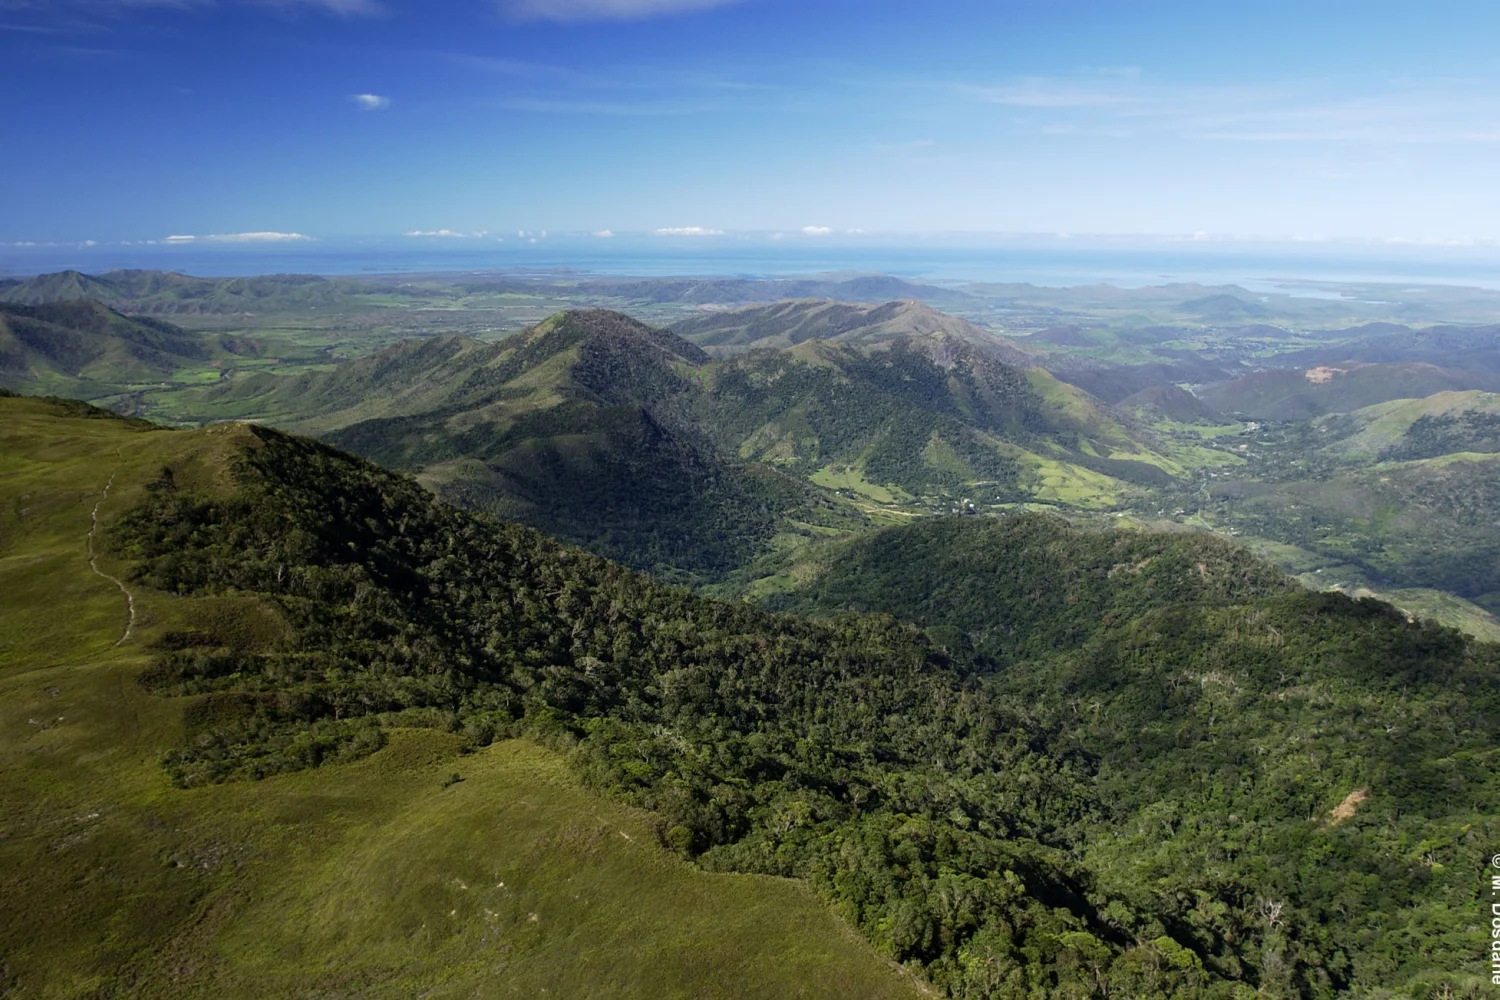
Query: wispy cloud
{"points": [[1040, 92], [448, 234], [1127, 105], [586, 106], [688, 231], [573, 11], [370, 102], [816, 230], [347, 8], [261, 237], [603, 234]]}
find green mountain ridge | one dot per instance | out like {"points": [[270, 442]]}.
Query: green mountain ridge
{"points": [[1301, 394], [1172, 403], [788, 323], [1169, 660], [1112, 760], [430, 865], [83, 348], [632, 441], [171, 293]]}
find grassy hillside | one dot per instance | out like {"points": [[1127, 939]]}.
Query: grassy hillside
{"points": [[380, 876], [170, 293], [1187, 778], [579, 427], [786, 324], [1170, 402], [84, 349], [1440, 424], [1298, 395], [1467, 348], [1430, 523], [630, 441], [408, 377]]}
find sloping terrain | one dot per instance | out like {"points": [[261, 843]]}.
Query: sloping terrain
{"points": [[786, 324], [1214, 702], [1171, 402], [924, 415], [578, 427], [377, 874], [1303, 393], [630, 441], [1433, 523], [170, 293], [408, 377], [1444, 423], [1185, 780], [1472, 348], [85, 349]]}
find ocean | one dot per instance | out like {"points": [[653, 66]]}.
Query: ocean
{"points": [[1298, 268]]}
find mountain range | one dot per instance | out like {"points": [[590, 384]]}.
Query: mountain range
{"points": [[622, 437], [83, 348], [305, 721]]}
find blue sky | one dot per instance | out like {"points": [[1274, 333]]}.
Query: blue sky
{"points": [[138, 120]]}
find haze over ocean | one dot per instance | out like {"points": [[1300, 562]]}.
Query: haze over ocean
{"points": [[1049, 261]]}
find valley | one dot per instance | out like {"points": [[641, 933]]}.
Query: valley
{"points": [[279, 615], [606, 782], [719, 439]]}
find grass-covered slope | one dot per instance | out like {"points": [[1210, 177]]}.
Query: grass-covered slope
{"points": [[409, 377], [630, 441], [1445, 423], [377, 877], [1468, 348], [902, 419], [1144, 765], [1300, 394], [84, 349], [1171, 402], [171, 293], [581, 428], [786, 324], [1429, 523]]}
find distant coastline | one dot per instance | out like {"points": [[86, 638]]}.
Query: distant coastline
{"points": [[1296, 268]]}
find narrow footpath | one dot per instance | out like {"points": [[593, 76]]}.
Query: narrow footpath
{"points": [[94, 563]]}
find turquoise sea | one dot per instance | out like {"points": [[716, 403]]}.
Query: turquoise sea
{"points": [[1055, 261]]}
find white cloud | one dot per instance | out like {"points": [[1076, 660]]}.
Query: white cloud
{"points": [[266, 237], [603, 234], [816, 230], [445, 234], [572, 11], [688, 231], [370, 102]]}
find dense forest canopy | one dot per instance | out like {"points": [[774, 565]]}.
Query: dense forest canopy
{"points": [[1164, 772]]}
